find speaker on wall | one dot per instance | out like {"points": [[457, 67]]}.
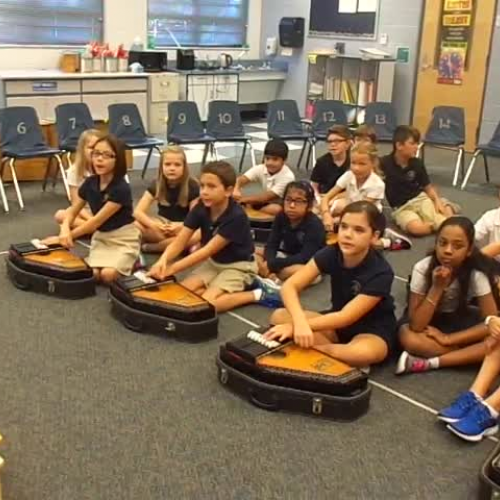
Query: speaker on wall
{"points": [[292, 32]]}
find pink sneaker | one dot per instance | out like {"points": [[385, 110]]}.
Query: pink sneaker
{"points": [[411, 364]]}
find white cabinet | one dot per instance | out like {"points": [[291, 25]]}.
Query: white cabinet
{"points": [[210, 87], [44, 105]]}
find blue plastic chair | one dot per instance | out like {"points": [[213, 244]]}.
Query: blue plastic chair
{"points": [[224, 124], [327, 114], [381, 116], [125, 122], [491, 148], [284, 122], [447, 131], [184, 126], [21, 138]]}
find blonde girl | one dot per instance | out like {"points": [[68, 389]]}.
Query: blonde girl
{"points": [[78, 172], [174, 192]]}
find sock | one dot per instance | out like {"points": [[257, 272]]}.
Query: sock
{"points": [[257, 293], [492, 410], [433, 363], [386, 242]]}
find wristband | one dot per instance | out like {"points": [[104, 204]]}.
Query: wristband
{"points": [[430, 301], [487, 320]]}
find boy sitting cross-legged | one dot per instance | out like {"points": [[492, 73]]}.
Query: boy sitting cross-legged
{"points": [[226, 257]]}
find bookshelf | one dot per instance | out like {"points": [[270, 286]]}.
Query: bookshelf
{"points": [[355, 80]]}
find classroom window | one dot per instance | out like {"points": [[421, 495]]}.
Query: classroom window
{"points": [[50, 22], [198, 23]]}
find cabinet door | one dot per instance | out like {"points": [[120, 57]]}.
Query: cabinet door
{"points": [[45, 106], [201, 91], [158, 114], [98, 104]]}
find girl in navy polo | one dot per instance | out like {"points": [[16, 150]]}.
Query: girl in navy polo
{"points": [[359, 328], [115, 243]]}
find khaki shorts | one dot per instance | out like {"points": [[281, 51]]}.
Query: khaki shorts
{"points": [[230, 278], [421, 208]]}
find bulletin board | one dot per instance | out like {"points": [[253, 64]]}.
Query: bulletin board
{"points": [[344, 18]]}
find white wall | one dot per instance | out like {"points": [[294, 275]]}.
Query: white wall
{"points": [[123, 21]]}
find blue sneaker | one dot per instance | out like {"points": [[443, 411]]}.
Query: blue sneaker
{"points": [[270, 299], [267, 284], [459, 408], [477, 424]]}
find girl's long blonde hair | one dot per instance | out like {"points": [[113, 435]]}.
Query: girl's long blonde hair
{"points": [[161, 183], [369, 149], [81, 164]]}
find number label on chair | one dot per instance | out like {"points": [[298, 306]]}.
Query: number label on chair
{"points": [[182, 118], [225, 118], [73, 123], [126, 121], [380, 119], [444, 124], [328, 116], [21, 128], [280, 115]]}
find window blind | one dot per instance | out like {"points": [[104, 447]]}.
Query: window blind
{"points": [[50, 22], [198, 23]]}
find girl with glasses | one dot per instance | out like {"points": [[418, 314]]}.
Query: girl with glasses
{"points": [[115, 243], [296, 235]]}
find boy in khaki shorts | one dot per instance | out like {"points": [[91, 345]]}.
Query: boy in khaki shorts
{"points": [[226, 257], [418, 208]]}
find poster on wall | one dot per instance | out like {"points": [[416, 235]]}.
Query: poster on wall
{"points": [[454, 41]]}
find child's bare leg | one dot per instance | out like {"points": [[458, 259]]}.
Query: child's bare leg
{"points": [[487, 374], [193, 283], [109, 275], [419, 228], [364, 349], [97, 274], [470, 355], [224, 301], [418, 344], [285, 273], [272, 209]]}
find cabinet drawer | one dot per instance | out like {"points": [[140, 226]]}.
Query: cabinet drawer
{"points": [[44, 105], [226, 79], [98, 104], [164, 87], [115, 84], [158, 114], [42, 87], [200, 79]]}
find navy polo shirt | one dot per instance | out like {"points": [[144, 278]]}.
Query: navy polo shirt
{"points": [[173, 211], [232, 224], [118, 191], [326, 173]]}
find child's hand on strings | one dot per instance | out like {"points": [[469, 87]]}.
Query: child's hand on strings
{"points": [[51, 240], [280, 332]]}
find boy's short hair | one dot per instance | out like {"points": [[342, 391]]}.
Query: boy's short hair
{"points": [[366, 132], [223, 170], [341, 130], [403, 133], [276, 147]]}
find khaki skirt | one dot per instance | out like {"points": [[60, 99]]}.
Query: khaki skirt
{"points": [[118, 249]]}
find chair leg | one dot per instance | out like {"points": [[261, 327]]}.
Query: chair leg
{"points": [[12, 165], [63, 176], [302, 153], [252, 153], [205, 153], [146, 163], [314, 154], [486, 169], [457, 166], [420, 150], [308, 157], [471, 167], [68, 159], [243, 155], [215, 154], [2, 191], [46, 176]]}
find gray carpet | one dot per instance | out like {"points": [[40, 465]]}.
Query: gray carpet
{"points": [[90, 410]]}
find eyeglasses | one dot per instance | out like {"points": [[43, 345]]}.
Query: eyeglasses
{"points": [[105, 155], [336, 141], [294, 201]]}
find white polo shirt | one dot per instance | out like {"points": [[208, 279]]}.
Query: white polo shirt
{"points": [[488, 229], [373, 188], [73, 178], [275, 183]]}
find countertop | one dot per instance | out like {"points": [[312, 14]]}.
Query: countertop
{"points": [[54, 74]]}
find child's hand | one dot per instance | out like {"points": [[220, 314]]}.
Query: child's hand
{"points": [[280, 332], [162, 226], [440, 208], [494, 327], [441, 276], [328, 221], [440, 337], [263, 269], [491, 344], [159, 269], [303, 335], [237, 195], [174, 228], [66, 239], [51, 240]]}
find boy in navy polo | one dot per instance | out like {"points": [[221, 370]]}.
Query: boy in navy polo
{"points": [[418, 208], [226, 257]]}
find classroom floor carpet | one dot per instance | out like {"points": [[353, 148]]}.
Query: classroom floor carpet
{"points": [[90, 410]]}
